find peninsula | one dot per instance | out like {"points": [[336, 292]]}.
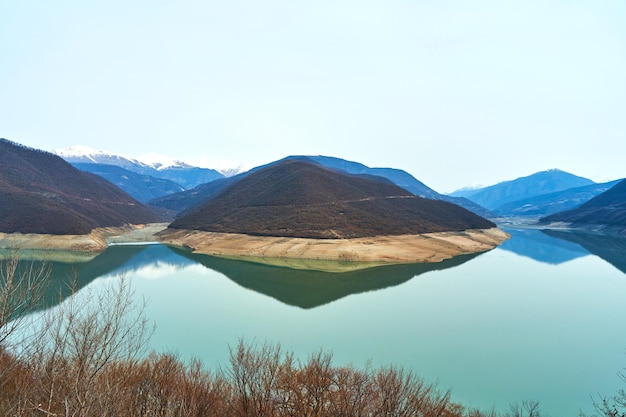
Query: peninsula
{"points": [[301, 210]]}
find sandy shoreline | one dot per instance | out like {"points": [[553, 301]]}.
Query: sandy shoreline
{"points": [[429, 247], [299, 253], [87, 246]]}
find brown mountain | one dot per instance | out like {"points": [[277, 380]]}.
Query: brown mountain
{"points": [[41, 193], [295, 198]]}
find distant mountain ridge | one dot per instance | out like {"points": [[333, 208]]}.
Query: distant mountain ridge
{"points": [[546, 204], [297, 198], [608, 208], [185, 175], [496, 197], [41, 193], [142, 187]]}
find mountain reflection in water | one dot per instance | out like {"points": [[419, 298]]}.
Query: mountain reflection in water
{"points": [[75, 272], [611, 248], [542, 247], [310, 288], [301, 287]]}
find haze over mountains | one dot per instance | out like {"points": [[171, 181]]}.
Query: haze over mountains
{"points": [[41, 193]]}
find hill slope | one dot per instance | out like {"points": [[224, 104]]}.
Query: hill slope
{"points": [[301, 199], [398, 177], [184, 201], [608, 208], [495, 196], [41, 193]]}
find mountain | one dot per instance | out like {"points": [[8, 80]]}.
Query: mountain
{"points": [[398, 177], [86, 155], [41, 193], [546, 204], [524, 188], [608, 208], [141, 187], [184, 201], [185, 175], [298, 198]]}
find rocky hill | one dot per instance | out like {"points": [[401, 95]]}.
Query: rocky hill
{"points": [[297, 198], [41, 193]]}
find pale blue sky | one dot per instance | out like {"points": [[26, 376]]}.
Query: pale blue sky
{"points": [[454, 92]]}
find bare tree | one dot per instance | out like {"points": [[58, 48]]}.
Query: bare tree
{"points": [[80, 339], [613, 406], [526, 409], [22, 290]]}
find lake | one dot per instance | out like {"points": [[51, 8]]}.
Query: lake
{"points": [[542, 317]]}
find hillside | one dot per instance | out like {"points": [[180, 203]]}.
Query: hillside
{"points": [[141, 187], [546, 204], [400, 178], [301, 199], [41, 193], [524, 188], [608, 208], [184, 201]]}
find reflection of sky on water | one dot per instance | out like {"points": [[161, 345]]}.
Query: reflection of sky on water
{"points": [[495, 328]]}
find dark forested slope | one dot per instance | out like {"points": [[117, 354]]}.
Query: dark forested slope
{"points": [[302, 199], [41, 193]]}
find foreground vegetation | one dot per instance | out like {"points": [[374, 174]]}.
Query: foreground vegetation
{"points": [[88, 358]]}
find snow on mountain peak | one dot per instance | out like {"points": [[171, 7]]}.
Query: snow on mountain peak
{"points": [[80, 151], [225, 167], [160, 162]]}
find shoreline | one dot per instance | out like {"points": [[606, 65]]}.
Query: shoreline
{"points": [[84, 246], [297, 253], [375, 251]]}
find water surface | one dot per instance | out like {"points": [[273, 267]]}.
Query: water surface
{"points": [[542, 317]]}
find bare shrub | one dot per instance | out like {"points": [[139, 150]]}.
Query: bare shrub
{"points": [[79, 340], [22, 290], [87, 357]]}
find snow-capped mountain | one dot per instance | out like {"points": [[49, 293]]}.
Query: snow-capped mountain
{"points": [[153, 165], [231, 172], [85, 154], [161, 162]]}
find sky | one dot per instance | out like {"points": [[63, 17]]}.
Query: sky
{"points": [[454, 92]]}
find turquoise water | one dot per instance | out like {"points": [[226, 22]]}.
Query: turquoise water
{"points": [[542, 317]]}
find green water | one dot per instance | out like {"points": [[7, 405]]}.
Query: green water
{"points": [[542, 317]]}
